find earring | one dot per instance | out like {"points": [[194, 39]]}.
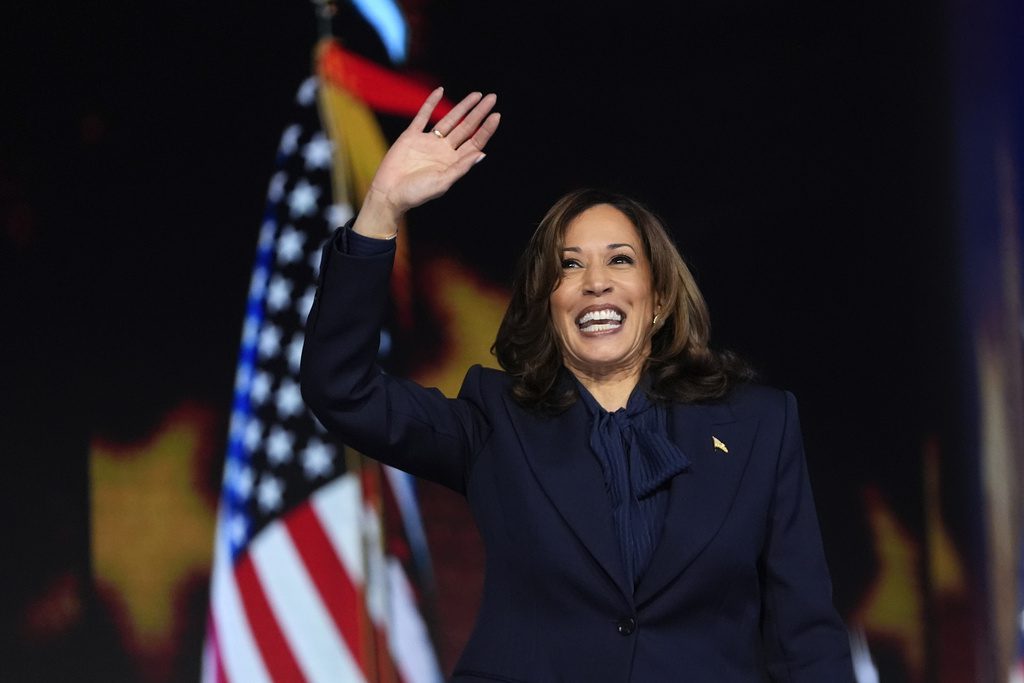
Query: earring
{"points": [[654, 322]]}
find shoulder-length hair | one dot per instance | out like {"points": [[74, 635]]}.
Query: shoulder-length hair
{"points": [[681, 366]]}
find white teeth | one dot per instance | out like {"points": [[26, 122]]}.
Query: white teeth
{"points": [[602, 327], [603, 320], [607, 314]]}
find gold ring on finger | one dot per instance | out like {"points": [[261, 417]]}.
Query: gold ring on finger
{"points": [[438, 133]]}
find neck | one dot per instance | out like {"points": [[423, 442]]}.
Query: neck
{"points": [[611, 392]]}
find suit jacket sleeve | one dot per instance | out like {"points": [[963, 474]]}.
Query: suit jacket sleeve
{"points": [[389, 419], [803, 636]]}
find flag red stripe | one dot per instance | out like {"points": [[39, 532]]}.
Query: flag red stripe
{"points": [[385, 659], [213, 642], [277, 655], [221, 675], [337, 591], [383, 90]]}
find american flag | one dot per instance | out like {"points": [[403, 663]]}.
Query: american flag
{"points": [[302, 588]]}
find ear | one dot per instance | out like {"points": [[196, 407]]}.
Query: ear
{"points": [[662, 311]]}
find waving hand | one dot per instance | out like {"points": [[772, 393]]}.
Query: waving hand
{"points": [[421, 165]]}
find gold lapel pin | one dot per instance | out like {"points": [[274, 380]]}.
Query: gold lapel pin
{"points": [[719, 445]]}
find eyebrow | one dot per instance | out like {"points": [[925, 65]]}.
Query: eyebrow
{"points": [[610, 246]]}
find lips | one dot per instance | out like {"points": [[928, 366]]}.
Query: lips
{"points": [[603, 318]]}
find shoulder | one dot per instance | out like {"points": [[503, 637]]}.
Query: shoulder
{"points": [[481, 382], [488, 376], [758, 400]]}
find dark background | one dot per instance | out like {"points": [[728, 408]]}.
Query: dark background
{"points": [[802, 154]]}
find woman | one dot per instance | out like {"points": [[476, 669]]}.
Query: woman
{"points": [[646, 513]]}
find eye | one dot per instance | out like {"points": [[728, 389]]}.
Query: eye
{"points": [[570, 263], [622, 259]]}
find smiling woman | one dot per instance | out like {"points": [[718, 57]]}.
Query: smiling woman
{"points": [[600, 251], [604, 309], [646, 512]]}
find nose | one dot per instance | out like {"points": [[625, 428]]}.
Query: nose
{"points": [[596, 281]]}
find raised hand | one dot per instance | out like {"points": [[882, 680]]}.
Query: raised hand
{"points": [[421, 165]]}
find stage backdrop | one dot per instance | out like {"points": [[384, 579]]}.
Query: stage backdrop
{"points": [[844, 181]]}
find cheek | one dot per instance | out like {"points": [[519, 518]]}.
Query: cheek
{"points": [[558, 305], [560, 329]]}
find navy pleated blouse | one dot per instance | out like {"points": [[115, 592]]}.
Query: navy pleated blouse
{"points": [[638, 461]]}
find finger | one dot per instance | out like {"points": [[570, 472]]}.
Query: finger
{"points": [[460, 168], [446, 124], [422, 118], [469, 125], [483, 133]]}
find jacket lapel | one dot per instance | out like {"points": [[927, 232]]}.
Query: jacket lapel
{"points": [[572, 480], [701, 496]]}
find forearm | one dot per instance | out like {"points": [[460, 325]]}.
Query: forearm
{"points": [[387, 418], [342, 331]]}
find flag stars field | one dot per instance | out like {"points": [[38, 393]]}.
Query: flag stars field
{"points": [[289, 399], [258, 284], [237, 427], [317, 459], [269, 493], [306, 94], [230, 472], [290, 245], [290, 140], [275, 191], [242, 378], [267, 232], [270, 341], [318, 152], [253, 434], [303, 198], [250, 331], [238, 530], [279, 294], [279, 446], [244, 481], [259, 391]]}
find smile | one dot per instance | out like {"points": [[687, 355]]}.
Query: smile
{"points": [[596, 320]]}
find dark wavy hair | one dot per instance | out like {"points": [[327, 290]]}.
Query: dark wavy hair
{"points": [[681, 366]]}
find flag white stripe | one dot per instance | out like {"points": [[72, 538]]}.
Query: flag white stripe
{"points": [[376, 590], [239, 654], [209, 672], [312, 635], [337, 505], [408, 640]]}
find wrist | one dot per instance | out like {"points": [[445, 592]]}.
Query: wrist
{"points": [[378, 218]]}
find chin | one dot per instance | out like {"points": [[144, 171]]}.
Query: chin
{"points": [[603, 362]]}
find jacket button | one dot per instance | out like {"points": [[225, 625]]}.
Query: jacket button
{"points": [[626, 626]]}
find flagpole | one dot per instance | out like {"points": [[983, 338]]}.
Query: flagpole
{"points": [[325, 13]]}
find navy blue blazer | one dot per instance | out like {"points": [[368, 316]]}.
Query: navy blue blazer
{"points": [[736, 591]]}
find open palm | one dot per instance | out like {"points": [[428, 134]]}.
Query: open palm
{"points": [[421, 165]]}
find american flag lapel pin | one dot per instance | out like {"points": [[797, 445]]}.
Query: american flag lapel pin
{"points": [[719, 445]]}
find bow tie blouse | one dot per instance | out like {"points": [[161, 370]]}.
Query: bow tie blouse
{"points": [[638, 461]]}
